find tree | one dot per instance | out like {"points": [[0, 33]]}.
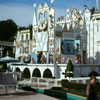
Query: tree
{"points": [[69, 69], [8, 30], [92, 10]]}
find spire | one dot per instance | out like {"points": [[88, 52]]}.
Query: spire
{"points": [[65, 28], [52, 3], [71, 28], [34, 16], [97, 6], [84, 25], [52, 11], [46, 5]]}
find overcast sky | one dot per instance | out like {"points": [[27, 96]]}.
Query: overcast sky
{"points": [[21, 11]]}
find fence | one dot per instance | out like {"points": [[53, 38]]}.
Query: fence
{"points": [[47, 83]]}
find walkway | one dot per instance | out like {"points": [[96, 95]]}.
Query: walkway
{"points": [[23, 95]]}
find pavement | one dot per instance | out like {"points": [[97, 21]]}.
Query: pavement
{"points": [[23, 95]]}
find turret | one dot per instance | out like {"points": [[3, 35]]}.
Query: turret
{"points": [[34, 17]]}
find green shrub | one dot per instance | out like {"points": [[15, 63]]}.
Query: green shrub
{"points": [[57, 94], [69, 69], [76, 86], [69, 75]]}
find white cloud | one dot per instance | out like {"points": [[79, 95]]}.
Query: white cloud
{"points": [[21, 14]]}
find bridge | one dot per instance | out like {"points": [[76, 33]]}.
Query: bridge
{"points": [[55, 71], [5, 43]]}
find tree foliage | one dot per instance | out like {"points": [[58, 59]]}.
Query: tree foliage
{"points": [[70, 66], [92, 10], [8, 30], [69, 69]]}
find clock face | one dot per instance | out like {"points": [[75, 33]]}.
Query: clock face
{"points": [[42, 23]]}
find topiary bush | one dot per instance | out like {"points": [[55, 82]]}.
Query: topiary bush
{"points": [[69, 69]]}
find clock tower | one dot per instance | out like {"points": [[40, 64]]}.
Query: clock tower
{"points": [[43, 29]]}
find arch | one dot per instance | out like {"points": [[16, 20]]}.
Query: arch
{"points": [[26, 36], [22, 37], [47, 73], [93, 73], [17, 70], [40, 15], [36, 73], [18, 73], [26, 73], [46, 14]]}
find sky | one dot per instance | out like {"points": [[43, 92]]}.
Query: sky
{"points": [[21, 11]]}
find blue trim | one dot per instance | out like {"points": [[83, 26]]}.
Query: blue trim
{"points": [[68, 96]]}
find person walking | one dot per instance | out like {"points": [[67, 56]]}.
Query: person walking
{"points": [[90, 90]]}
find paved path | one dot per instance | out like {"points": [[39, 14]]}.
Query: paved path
{"points": [[23, 95]]}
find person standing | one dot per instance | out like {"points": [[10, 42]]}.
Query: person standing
{"points": [[90, 90]]}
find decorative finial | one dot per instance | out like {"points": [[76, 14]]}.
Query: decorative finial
{"points": [[52, 3], [68, 10], [97, 6], [34, 5]]}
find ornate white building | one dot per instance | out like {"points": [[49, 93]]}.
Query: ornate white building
{"points": [[74, 36]]}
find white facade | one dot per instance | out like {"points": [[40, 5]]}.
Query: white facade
{"points": [[48, 35], [23, 44]]}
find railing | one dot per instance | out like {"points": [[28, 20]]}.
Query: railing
{"points": [[4, 43], [41, 82], [47, 83]]}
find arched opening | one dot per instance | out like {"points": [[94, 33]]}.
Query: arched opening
{"points": [[26, 73], [18, 73], [40, 15], [17, 70], [93, 73], [26, 36], [36, 73], [46, 14], [22, 37], [47, 73]]}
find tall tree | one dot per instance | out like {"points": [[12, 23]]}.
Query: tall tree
{"points": [[8, 30]]}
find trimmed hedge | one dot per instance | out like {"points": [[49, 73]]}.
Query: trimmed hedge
{"points": [[28, 88], [77, 86], [56, 94]]}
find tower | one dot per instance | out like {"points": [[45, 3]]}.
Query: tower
{"points": [[35, 25], [52, 33], [97, 6]]}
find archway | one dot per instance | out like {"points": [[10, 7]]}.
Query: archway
{"points": [[26, 73], [17, 70], [47, 73], [93, 73], [46, 14], [18, 73], [36, 73]]}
